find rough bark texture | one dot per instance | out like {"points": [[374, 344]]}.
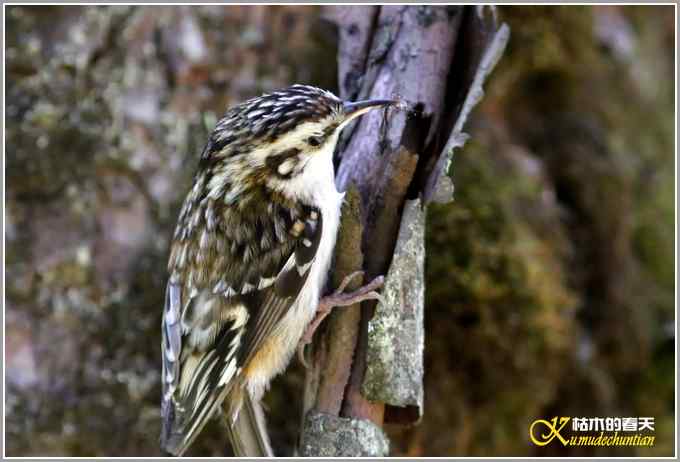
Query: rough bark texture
{"points": [[435, 58], [394, 354], [325, 385], [332, 436]]}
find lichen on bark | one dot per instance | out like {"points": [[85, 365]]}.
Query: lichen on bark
{"points": [[394, 370], [326, 435]]}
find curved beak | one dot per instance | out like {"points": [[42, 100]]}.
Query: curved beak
{"points": [[353, 110]]}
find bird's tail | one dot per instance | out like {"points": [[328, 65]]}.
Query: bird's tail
{"points": [[248, 433], [175, 438]]}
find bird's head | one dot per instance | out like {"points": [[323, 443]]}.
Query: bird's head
{"points": [[279, 136]]}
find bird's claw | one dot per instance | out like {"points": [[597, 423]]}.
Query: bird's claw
{"points": [[339, 298]]}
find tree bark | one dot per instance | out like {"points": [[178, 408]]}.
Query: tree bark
{"points": [[366, 362]]}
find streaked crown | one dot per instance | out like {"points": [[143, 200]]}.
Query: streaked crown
{"points": [[268, 117]]}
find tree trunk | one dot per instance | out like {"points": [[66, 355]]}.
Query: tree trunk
{"points": [[366, 364]]}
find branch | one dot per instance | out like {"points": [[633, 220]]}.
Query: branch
{"points": [[336, 343], [367, 366]]}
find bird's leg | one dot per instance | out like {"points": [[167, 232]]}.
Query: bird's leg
{"points": [[339, 298]]}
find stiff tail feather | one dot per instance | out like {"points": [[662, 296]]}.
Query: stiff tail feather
{"points": [[248, 433], [175, 439]]}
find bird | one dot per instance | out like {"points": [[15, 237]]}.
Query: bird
{"points": [[249, 260]]}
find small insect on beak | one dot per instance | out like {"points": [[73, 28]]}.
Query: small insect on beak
{"points": [[353, 110]]}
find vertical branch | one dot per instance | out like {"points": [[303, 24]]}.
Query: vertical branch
{"points": [[380, 235], [334, 349], [436, 58]]}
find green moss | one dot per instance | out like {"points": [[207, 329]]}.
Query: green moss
{"points": [[551, 275], [498, 302]]}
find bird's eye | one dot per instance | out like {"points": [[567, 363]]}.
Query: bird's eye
{"points": [[314, 140]]}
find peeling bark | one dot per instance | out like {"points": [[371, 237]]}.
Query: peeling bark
{"points": [[367, 362]]}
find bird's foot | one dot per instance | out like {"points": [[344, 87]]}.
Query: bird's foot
{"points": [[339, 298]]}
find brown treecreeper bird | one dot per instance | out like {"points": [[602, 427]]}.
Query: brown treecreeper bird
{"points": [[249, 259]]}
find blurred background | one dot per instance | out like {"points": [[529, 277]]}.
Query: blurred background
{"points": [[550, 277]]}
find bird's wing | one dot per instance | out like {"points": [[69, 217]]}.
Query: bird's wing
{"points": [[210, 333], [270, 305]]}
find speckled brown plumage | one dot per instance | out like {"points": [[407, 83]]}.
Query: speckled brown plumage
{"points": [[249, 256], [235, 233]]}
